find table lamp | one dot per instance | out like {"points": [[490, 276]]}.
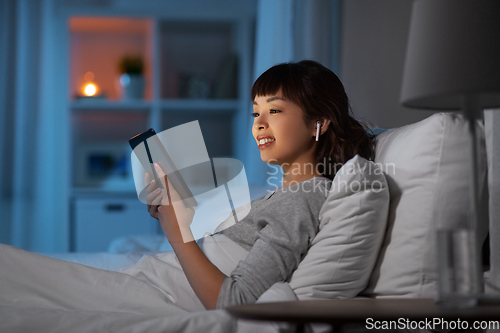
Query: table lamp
{"points": [[453, 63]]}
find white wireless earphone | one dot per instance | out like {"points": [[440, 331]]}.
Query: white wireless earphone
{"points": [[318, 125]]}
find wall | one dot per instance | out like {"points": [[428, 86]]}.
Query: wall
{"points": [[373, 45]]}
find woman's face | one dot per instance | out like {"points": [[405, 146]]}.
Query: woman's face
{"points": [[281, 132]]}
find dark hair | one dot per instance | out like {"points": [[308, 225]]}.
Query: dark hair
{"points": [[320, 94]]}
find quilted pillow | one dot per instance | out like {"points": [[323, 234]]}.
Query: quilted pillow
{"points": [[352, 225], [429, 187]]}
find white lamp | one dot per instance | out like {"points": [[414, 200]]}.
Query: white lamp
{"points": [[453, 63]]}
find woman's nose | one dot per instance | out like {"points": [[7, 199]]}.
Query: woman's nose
{"points": [[260, 123]]}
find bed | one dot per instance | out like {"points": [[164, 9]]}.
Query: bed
{"points": [[374, 241]]}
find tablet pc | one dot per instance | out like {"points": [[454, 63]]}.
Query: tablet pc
{"points": [[156, 153]]}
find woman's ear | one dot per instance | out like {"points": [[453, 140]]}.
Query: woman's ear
{"points": [[324, 125], [321, 126]]}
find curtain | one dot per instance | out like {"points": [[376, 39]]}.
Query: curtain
{"points": [[33, 165], [7, 37]]}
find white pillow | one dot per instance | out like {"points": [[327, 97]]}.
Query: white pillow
{"points": [[428, 176], [352, 225]]}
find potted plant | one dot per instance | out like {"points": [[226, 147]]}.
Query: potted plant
{"points": [[131, 79]]}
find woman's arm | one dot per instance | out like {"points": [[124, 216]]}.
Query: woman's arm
{"points": [[203, 276]]}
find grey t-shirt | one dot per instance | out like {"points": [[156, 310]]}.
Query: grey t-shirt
{"points": [[277, 232]]}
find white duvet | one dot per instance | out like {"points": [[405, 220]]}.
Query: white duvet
{"points": [[42, 294]]}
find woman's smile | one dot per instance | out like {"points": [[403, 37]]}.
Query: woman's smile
{"points": [[264, 142]]}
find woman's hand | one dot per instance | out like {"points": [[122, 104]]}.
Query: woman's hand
{"points": [[153, 197], [175, 218]]}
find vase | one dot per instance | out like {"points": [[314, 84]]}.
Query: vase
{"points": [[132, 86]]}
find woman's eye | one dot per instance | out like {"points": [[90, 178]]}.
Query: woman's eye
{"points": [[274, 111], [255, 114]]}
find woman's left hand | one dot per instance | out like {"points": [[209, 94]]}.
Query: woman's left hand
{"points": [[175, 218]]}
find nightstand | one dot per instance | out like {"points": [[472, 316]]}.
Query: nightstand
{"points": [[374, 313]]}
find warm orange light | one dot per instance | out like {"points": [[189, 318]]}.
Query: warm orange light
{"points": [[89, 77], [90, 89]]}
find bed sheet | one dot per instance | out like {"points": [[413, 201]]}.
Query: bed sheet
{"points": [[14, 320], [102, 260], [43, 294]]}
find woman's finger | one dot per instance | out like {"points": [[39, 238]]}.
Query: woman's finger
{"points": [[168, 189], [152, 194], [153, 211], [153, 197], [171, 192], [160, 173], [157, 201], [152, 186], [165, 183]]}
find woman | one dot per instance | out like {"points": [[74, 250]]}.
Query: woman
{"points": [[301, 123]]}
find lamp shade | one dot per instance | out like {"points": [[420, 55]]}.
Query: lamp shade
{"points": [[453, 52]]}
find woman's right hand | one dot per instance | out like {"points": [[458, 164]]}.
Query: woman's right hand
{"points": [[153, 197]]}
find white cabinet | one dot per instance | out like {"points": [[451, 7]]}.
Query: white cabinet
{"points": [[98, 221]]}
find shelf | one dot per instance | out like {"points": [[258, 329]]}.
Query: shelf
{"points": [[200, 104], [197, 60], [99, 192], [220, 105], [98, 44], [100, 104], [197, 67], [192, 71]]}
